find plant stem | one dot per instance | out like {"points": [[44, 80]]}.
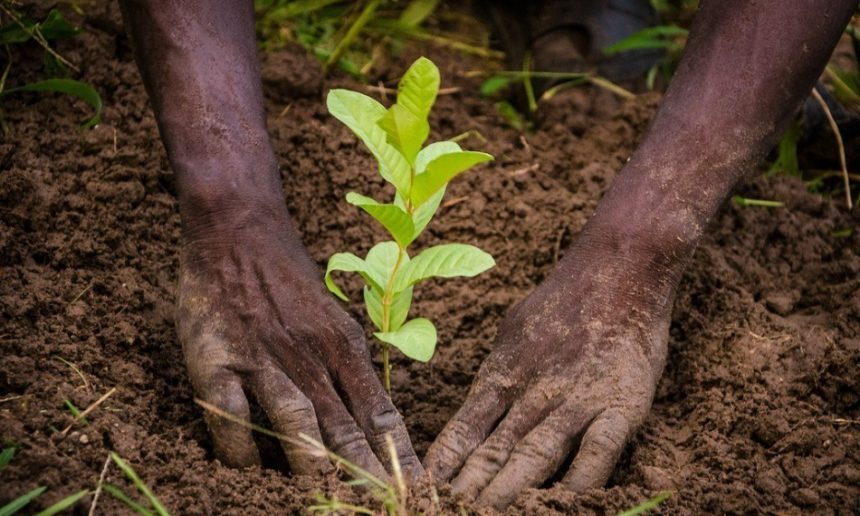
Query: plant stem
{"points": [[386, 318], [386, 368]]}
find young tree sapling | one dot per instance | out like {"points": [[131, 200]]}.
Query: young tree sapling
{"points": [[395, 137]]}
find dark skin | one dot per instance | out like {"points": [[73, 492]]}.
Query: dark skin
{"points": [[575, 364]]}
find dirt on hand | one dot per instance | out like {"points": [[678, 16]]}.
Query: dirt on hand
{"points": [[757, 411]]}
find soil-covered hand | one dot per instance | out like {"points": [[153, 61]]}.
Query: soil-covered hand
{"points": [[254, 319], [573, 372]]}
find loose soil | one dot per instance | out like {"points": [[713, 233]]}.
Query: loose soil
{"points": [[757, 410]]}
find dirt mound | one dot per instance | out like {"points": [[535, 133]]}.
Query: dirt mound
{"points": [[757, 411]]}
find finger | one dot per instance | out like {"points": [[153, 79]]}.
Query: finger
{"points": [[536, 457], [469, 427], [291, 413], [601, 446], [233, 443], [376, 415], [340, 431], [493, 454]]}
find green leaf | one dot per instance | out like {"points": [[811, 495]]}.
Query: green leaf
{"points": [[446, 261], [510, 114], [56, 27], [138, 483], [494, 84], [433, 151], [17, 32], [405, 131], [400, 304], [380, 262], [361, 113], [78, 89], [424, 213], [652, 37], [6, 456], [417, 11], [442, 170], [19, 503], [418, 88], [393, 218], [345, 262], [416, 339], [373, 304], [64, 504]]}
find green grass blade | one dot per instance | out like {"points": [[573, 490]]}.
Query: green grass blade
{"points": [[417, 11], [19, 503], [64, 504], [120, 495], [135, 479], [6, 456], [353, 32], [78, 89], [647, 505]]}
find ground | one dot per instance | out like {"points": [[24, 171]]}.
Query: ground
{"points": [[757, 411]]}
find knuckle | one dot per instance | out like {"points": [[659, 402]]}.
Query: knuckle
{"points": [[347, 439], [605, 441], [385, 419], [295, 409]]}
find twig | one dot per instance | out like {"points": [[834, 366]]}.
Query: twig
{"points": [[37, 35], [89, 409], [99, 486], [531, 168], [383, 91], [842, 162], [84, 291], [611, 86], [75, 369], [453, 202], [10, 398]]}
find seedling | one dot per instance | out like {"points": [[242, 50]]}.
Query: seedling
{"points": [[395, 137]]}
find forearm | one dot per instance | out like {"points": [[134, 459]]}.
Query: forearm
{"points": [[198, 62], [746, 68]]}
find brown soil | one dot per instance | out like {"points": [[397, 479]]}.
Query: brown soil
{"points": [[757, 411]]}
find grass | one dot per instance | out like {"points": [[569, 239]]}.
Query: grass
{"points": [[20, 30], [353, 36], [139, 484], [647, 505], [390, 497]]}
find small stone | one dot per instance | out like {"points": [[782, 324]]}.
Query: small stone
{"points": [[782, 303], [805, 497], [657, 479], [85, 439]]}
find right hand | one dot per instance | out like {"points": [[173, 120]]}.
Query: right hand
{"points": [[254, 317]]}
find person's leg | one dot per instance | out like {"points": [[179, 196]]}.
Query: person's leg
{"points": [[582, 355], [253, 313]]}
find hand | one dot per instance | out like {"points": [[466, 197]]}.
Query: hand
{"points": [[574, 370], [254, 318]]}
